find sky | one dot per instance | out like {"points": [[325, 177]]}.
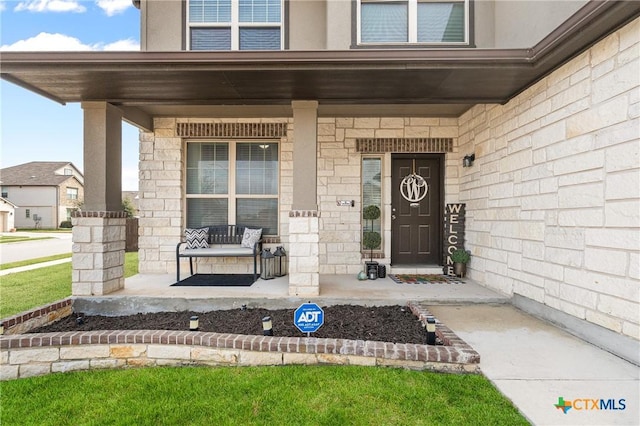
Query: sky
{"points": [[34, 128]]}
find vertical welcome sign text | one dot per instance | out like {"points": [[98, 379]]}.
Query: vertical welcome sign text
{"points": [[453, 233]]}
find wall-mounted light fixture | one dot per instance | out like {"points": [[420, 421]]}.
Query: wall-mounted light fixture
{"points": [[468, 160]]}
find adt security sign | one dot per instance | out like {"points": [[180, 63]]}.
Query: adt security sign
{"points": [[309, 317]]}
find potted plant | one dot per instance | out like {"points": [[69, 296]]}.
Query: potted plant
{"points": [[460, 258], [370, 238]]}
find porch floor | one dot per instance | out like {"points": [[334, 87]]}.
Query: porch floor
{"points": [[155, 290]]}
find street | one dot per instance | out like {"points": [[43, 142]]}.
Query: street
{"points": [[56, 243]]}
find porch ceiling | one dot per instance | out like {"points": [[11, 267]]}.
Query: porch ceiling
{"points": [[444, 82]]}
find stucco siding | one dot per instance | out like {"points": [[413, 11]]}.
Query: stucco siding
{"points": [[329, 24], [38, 200], [538, 17], [553, 200]]}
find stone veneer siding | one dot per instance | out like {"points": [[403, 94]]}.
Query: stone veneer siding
{"points": [[162, 187], [27, 355], [552, 201], [339, 178], [99, 240]]}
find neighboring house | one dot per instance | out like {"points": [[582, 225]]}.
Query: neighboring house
{"points": [[44, 192], [294, 115], [7, 215]]}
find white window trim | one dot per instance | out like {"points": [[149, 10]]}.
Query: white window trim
{"points": [[231, 195], [235, 25], [382, 201], [412, 12]]}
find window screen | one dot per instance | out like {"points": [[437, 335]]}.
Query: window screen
{"points": [[214, 197], [209, 11], [372, 190], [440, 22], [217, 25], [384, 23], [259, 11], [207, 211], [210, 38], [259, 38], [207, 168]]}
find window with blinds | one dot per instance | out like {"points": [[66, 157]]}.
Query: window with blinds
{"points": [[233, 183], [372, 189], [413, 21], [235, 24]]}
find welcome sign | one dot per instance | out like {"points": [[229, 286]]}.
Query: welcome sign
{"points": [[454, 215]]}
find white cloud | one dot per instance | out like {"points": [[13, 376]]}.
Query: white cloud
{"points": [[47, 41], [120, 45], [61, 42], [50, 6], [2, 5], [113, 7]]}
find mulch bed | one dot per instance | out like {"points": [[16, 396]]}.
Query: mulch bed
{"points": [[395, 324]]}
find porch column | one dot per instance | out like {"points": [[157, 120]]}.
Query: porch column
{"points": [[99, 229], [304, 260]]}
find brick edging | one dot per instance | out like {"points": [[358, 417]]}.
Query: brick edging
{"points": [[25, 355]]}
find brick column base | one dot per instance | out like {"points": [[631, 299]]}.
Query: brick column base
{"points": [[98, 252], [304, 259]]}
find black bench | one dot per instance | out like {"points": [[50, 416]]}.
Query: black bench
{"points": [[224, 241]]}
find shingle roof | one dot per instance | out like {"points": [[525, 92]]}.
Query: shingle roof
{"points": [[35, 173]]}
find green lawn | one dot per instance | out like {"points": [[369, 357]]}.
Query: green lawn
{"points": [[22, 291], [33, 261], [300, 395]]}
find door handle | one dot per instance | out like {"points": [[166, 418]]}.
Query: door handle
{"points": [[393, 217]]}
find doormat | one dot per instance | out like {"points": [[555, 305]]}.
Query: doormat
{"points": [[216, 280], [425, 279]]}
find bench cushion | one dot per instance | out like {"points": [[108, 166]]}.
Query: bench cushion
{"points": [[222, 251]]}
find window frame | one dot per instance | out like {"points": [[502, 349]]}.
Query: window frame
{"points": [[365, 225], [235, 25], [412, 24], [232, 196], [72, 193]]}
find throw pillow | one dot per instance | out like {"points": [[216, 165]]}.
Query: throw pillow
{"points": [[197, 238], [251, 237]]}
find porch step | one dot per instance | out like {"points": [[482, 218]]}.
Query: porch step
{"points": [[417, 269]]}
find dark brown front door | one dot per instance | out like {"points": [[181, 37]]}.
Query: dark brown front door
{"points": [[416, 217]]}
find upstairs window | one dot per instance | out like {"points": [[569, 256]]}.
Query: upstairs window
{"points": [[235, 24], [72, 193], [413, 22]]}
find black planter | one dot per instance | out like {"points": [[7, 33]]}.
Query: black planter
{"points": [[382, 271]]}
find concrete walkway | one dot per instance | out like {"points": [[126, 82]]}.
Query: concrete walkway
{"points": [[34, 266], [534, 363]]}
